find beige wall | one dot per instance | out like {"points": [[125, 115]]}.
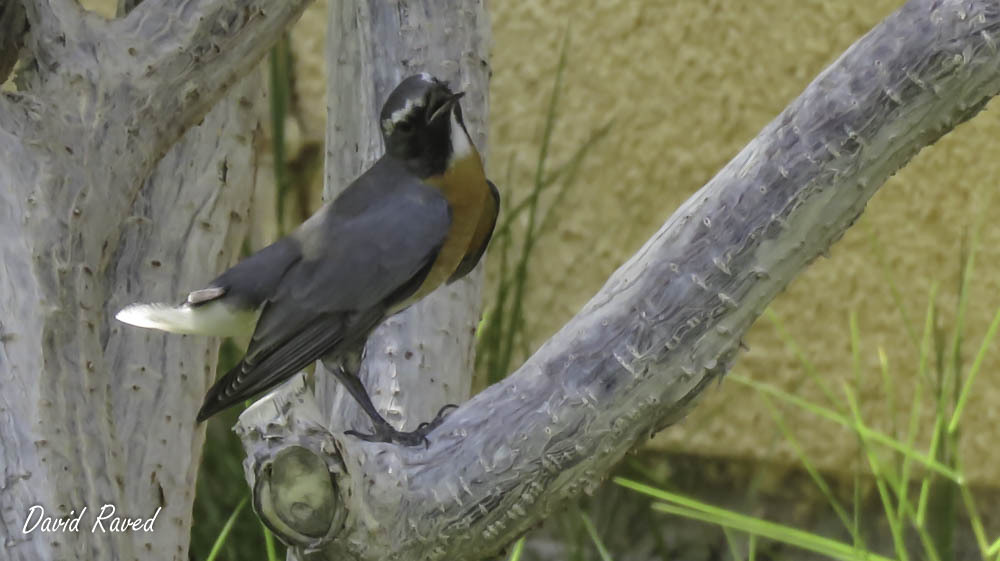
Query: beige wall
{"points": [[688, 83]]}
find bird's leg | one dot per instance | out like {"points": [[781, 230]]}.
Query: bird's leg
{"points": [[384, 432], [358, 392]]}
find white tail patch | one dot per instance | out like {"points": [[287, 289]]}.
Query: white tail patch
{"points": [[213, 318]]}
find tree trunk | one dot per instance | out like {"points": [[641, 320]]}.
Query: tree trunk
{"points": [[94, 414], [638, 355], [418, 360], [94, 216]]}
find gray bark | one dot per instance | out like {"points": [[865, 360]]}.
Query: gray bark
{"points": [[664, 327], [101, 205]]}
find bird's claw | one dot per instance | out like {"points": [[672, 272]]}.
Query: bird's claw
{"points": [[390, 434], [386, 432]]}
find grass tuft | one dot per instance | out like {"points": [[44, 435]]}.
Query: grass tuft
{"points": [[923, 458], [224, 532], [500, 335]]}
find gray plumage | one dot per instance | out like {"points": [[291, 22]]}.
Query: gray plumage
{"points": [[385, 241], [329, 283]]}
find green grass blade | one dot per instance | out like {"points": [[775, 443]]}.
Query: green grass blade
{"points": [[974, 519], [567, 172], [734, 549], [778, 532], [697, 510], [927, 341], [895, 525], [269, 548], [796, 349], [811, 469], [488, 348], [521, 269], [923, 378], [515, 553], [592, 532], [963, 295], [572, 169], [903, 491], [922, 501], [928, 483], [226, 528], [884, 478], [889, 390], [835, 417], [971, 377], [855, 334], [894, 292], [994, 549]]}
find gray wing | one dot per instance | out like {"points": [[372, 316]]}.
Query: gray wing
{"points": [[353, 269]]}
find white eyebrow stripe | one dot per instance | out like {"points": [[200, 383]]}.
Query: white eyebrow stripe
{"points": [[401, 113], [411, 104]]}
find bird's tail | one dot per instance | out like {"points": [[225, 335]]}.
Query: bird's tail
{"points": [[212, 318], [225, 393]]}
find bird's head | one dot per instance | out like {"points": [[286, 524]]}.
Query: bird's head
{"points": [[422, 125]]}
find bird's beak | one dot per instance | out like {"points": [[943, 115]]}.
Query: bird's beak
{"points": [[446, 107]]}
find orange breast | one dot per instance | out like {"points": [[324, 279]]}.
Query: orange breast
{"points": [[464, 186]]}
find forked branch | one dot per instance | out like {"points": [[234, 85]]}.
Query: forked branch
{"points": [[665, 325]]}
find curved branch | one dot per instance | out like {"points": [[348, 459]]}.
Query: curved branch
{"points": [[61, 38], [669, 321], [143, 79], [50, 19], [173, 59]]}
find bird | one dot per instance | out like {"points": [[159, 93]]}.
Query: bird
{"points": [[420, 217]]}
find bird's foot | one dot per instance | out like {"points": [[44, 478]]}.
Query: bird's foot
{"points": [[384, 432]]}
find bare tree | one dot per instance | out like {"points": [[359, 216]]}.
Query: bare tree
{"points": [[110, 193], [93, 215], [637, 356]]}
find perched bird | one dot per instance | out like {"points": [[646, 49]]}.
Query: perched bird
{"points": [[420, 217]]}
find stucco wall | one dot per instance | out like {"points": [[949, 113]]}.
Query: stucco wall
{"points": [[687, 83]]}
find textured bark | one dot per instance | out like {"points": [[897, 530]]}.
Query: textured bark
{"points": [[665, 325], [100, 205], [421, 359]]}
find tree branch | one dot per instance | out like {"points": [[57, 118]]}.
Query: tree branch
{"points": [[115, 96], [666, 324], [60, 39], [173, 59], [143, 79], [49, 19], [97, 413], [94, 413]]}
